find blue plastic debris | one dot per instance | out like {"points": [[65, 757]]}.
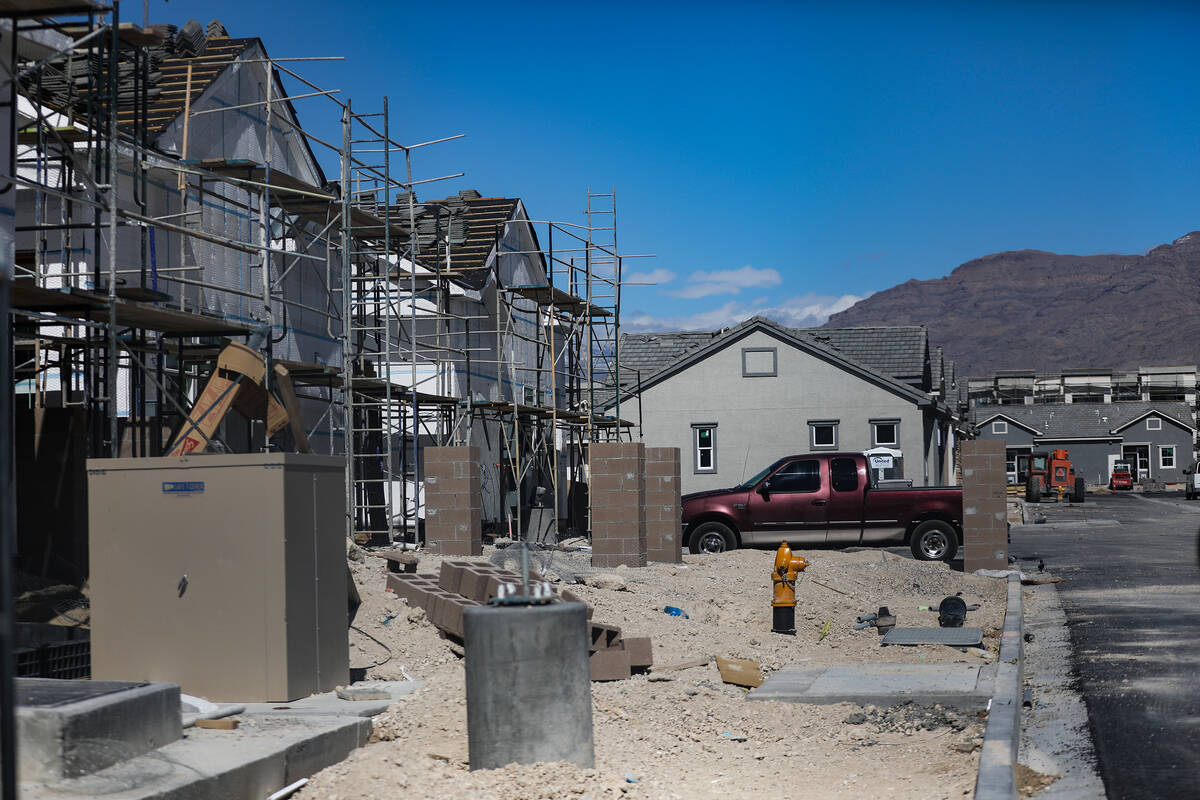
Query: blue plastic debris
{"points": [[676, 612]]}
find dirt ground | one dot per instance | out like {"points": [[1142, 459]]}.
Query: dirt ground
{"points": [[684, 733]]}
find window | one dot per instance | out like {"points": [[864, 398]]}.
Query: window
{"points": [[843, 474], [798, 476], [1166, 457], [999, 428], [823, 434], [704, 447], [760, 362], [885, 432], [1154, 424]]}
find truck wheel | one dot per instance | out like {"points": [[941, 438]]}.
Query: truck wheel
{"points": [[711, 537], [1080, 490], [1034, 495], [934, 540]]}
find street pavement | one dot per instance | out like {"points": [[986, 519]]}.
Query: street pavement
{"points": [[1132, 604]]}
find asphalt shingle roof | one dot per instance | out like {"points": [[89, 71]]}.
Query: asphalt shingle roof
{"points": [[898, 352], [1082, 420]]}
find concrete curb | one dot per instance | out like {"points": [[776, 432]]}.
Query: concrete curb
{"points": [[1002, 740]]}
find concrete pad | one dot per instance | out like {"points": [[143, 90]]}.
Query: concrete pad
{"points": [[263, 755], [957, 685], [68, 728], [330, 703]]}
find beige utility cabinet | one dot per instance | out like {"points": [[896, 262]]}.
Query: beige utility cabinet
{"points": [[225, 574]]}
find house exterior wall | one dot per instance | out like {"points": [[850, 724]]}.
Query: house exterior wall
{"points": [[761, 419], [1091, 458], [1171, 434], [1088, 459], [225, 210]]}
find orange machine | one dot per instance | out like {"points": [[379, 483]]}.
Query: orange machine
{"points": [[783, 600], [1052, 476], [237, 382]]}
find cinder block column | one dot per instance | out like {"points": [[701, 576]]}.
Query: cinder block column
{"points": [[453, 499], [985, 506], [618, 500], [664, 511]]}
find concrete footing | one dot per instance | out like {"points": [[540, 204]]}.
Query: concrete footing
{"points": [[72, 728]]}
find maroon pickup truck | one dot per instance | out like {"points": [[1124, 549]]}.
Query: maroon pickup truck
{"points": [[824, 498]]}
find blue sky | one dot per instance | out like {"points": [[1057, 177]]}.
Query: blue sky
{"points": [[779, 158]]}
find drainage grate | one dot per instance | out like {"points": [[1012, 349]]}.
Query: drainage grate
{"points": [[954, 637]]}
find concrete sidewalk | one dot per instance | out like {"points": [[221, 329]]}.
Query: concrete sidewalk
{"points": [[273, 746], [967, 686]]}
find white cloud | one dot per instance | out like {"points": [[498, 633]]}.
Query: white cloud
{"points": [[658, 276], [727, 281], [802, 311]]}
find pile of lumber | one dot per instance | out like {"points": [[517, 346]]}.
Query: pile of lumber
{"points": [[462, 584]]}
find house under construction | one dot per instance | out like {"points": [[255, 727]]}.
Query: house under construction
{"points": [[169, 204]]}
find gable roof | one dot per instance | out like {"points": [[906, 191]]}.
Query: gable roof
{"points": [[1084, 420], [897, 352], [796, 337], [1156, 412], [173, 95], [1006, 418], [479, 223]]}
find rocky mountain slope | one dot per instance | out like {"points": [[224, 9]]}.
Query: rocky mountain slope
{"points": [[1030, 309]]}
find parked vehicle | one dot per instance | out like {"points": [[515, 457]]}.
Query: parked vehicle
{"points": [[1051, 477], [1191, 489], [1121, 477], [824, 498]]}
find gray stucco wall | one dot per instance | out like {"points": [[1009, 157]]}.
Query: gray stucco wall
{"points": [[1016, 436], [1089, 459], [1171, 434], [760, 419]]}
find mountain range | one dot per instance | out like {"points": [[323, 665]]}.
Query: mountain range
{"points": [[1030, 309]]}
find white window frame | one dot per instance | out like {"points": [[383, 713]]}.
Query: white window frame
{"points": [[813, 424], [712, 447], [1157, 426], [999, 427], [1163, 449], [876, 442]]}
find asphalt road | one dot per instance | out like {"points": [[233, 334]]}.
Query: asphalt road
{"points": [[1132, 603]]}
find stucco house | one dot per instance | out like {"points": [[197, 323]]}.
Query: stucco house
{"points": [[1155, 438], [736, 400]]}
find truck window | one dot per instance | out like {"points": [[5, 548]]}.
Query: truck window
{"points": [[843, 474], [798, 476]]}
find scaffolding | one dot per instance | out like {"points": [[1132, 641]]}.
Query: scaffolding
{"points": [[159, 219]]}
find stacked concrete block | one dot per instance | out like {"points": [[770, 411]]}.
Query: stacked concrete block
{"points": [[985, 505], [459, 585], [664, 509], [453, 498], [618, 500]]}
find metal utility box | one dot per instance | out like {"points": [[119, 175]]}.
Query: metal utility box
{"points": [[225, 574]]}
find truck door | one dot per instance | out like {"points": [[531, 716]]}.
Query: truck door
{"points": [[790, 504], [844, 512]]}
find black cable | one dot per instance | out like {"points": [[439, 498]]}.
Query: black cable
{"points": [[376, 641]]}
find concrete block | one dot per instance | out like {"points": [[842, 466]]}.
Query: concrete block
{"points": [[609, 665], [450, 576], [603, 637], [473, 584], [567, 596], [641, 654]]}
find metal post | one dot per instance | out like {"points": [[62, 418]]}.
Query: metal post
{"points": [[412, 335]]}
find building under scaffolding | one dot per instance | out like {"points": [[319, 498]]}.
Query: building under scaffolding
{"points": [[169, 201]]}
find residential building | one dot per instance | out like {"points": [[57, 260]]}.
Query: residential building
{"points": [[1155, 438], [737, 399]]}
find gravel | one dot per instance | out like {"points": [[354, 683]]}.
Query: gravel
{"points": [[683, 733]]}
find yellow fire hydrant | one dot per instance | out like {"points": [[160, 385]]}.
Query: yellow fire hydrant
{"points": [[783, 601]]}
